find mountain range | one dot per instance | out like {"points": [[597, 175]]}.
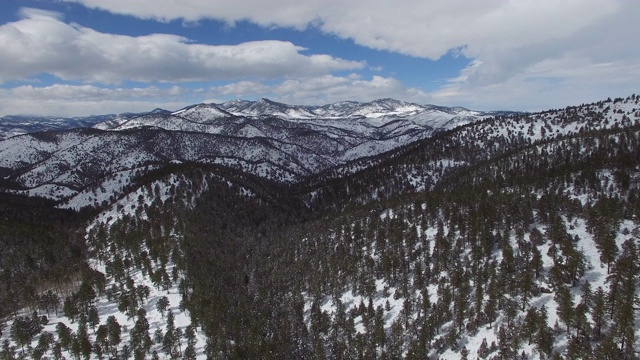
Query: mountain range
{"points": [[273, 140], [201, 114], [255, 229]]}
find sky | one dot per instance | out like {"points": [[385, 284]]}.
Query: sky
{"points": [[89, 57]]}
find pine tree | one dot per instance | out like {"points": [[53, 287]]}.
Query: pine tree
{"points": [[25, 328], [44, 344], [587, 294], [82, 337], [623, 280], [566, 309], [536, 261], [525, 281], [169, 341], [483, 350], [140, 339], [190, 350], [598, 311], [464, 353], [114, 332], [530, 325], [102, 336], [93, 317], [64, 335], [544, 338], [607, 350], [8, 351]]}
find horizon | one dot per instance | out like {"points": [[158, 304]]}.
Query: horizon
{"points": [[173, 110]]}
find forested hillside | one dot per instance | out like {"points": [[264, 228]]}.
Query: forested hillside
{"points": [[515, 237]]}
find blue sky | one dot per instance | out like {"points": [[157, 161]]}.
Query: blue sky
{"points": [[82, 57]]}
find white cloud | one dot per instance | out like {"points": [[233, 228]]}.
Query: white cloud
{"points": [[330, 89], [39, 14], [549, 84], [42, 43], [597, 62], [322, 90], [509, 40], [80, 100], [242, 89], [415, 27], [524, 54]]}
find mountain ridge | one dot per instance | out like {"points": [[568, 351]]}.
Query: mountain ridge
{"points": [[11, 125], [509, 237], [286, 148]]}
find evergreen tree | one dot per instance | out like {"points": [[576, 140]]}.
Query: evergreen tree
{"points": [[623, 280], [162, 305], [64, 335], [114, 333], [93, 317], [190, 350], [140, 340], [170, 341], [530, 325], [8, 351], [44, 344], [544, 338], [566, 311], [607, 350], [598, 311]]}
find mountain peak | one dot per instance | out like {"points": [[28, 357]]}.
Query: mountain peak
{"points": [[159, 111], [268, 101]]}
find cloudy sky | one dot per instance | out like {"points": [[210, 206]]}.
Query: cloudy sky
{"points": [[82, 57]]}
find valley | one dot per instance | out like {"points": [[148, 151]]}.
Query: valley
{"points": [[348, 231]]}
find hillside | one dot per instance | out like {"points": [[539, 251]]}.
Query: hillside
{"points": [[509, 236], [280, 142]]}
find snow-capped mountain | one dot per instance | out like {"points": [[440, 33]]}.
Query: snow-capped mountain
{"points": [[281, 142], [70, 165], [346, 114], [266, 107], [208, 117], [219, 235], [13, 125], [345, 130], [202, 113]]}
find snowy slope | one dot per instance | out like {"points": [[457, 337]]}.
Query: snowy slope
{"points": [[18, 125], [102, 168]]}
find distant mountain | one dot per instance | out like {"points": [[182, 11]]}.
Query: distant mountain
{"points": [[361, 129], [281, 142], [375, 113], [261, 138], [12, 125]]}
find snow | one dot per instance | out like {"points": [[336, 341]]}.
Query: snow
{"points": [[111, 186], [47, 191], [16, 151], [384, 297], [155, 318]]}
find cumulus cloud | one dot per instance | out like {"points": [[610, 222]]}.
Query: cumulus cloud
{"points": [[322, 90], [330, 89], [32, 13], [508, 40], [595, 63], [41, 43], [82, 100], [415, 27], [523, 54]]}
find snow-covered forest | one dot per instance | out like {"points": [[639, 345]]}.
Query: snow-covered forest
{"points": [[514, 236]]}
